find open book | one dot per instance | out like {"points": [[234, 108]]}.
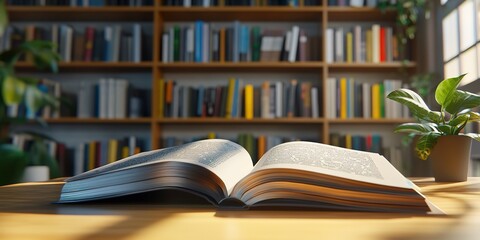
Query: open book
{"points": [[294, 174]]}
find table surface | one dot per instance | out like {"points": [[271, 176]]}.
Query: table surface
{"points": [[27, 212]]}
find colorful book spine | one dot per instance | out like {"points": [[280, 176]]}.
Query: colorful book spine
{"points": [[376, 114], [343, 98], [198, 41], [249, 101]]}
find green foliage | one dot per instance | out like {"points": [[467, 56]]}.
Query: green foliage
{"points": [[407, 16], [12, 164], [15, 90], [456, 111]]}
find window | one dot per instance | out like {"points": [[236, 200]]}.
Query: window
{"points": [[461, 39]]}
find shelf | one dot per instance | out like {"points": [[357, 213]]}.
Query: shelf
{"points": [[368, 67], [277, 14], [359, 14], [97, 66], [74, 120], [370, 121], [243, 66], [62, 13], [209, 120]]}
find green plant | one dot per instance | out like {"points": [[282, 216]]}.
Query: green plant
{"points": [[15, 90], [407, 16], [455, 112]]}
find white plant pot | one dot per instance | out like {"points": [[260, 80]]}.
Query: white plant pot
{"points": [[36, 174]]}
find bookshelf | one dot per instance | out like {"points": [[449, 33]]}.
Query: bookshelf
{"points": [[158, 16]]}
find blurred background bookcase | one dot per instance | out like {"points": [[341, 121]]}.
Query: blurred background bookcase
{"points": [[156, 19]]}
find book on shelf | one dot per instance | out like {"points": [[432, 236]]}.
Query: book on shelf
{"points": [[273, 99], [355, 3], [208, 42], [291, 175], [98, 153], [59, 151], [250, 3], [347, 98], [360, 44], [111, 98], [66, 106], [117, 43]]}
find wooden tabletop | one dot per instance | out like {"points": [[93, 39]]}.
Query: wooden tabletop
{"points": [[27, 212]]}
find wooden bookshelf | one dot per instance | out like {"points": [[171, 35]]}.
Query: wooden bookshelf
{"points": [[94, 66], [343, 14], [288, 14], [371, 67], [241, 121], [159, 15], [52, 13], [243, 66], [369, 121], [74, 120]]}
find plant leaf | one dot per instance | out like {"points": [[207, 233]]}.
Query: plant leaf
{"points": [[445, 90], [12, 163], [36, 99], [416, 104], [474, 117], [461, 100], [447, 129], [425, 145], [459, 120], [416, 128], [3, 17], [475, 136], [13, 90]]}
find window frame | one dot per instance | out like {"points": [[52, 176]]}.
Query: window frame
{"points": [[442, 12]]}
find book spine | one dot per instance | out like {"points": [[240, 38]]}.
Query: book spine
{"points": [[376, 43], [349, 52], [330, 45], [249, 101], [198, 41], [343, 98], [89, 38], [292, 55], [376, 101], [383, 45]]}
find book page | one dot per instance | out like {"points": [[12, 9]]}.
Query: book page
{"points": [[335, 161], [228, 160]]}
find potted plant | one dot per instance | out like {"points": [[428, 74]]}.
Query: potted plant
{"points": [[441, 137], [15, 90]]}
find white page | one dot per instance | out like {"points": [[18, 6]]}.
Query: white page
{"points": [[334, 161]]}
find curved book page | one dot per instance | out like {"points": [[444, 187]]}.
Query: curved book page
{"points": [[335, 161], [227, 160]]}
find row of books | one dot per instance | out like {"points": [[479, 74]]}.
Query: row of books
{"points": [[236, 100], [81, 3], [205, 42], [360, 44], [347, 98], [58, 151], [256, 145], [112, 98], [210, 3], [98, 153], [23, 111], [353, 3], [110, 43]]}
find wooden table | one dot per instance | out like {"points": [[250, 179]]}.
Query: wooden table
{"points": [[27, 212]]}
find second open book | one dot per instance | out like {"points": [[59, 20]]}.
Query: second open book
{"points": [[294, 174]]}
